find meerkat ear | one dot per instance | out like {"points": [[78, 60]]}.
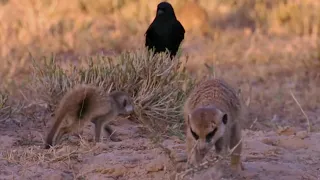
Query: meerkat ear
{"points": [[225, 119]]}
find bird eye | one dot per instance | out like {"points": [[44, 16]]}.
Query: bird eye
{"points": [[160, 11], [194, 134], [210, 135]]}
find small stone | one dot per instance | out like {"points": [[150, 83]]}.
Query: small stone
{"points": [[155, 166], [292, 143], [269, 141], [302, 134], [180, 157], [286, 131]]}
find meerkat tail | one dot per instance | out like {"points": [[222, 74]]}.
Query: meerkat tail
{"points": [[54, 130]]}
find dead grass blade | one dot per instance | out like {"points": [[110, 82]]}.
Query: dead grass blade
{"points": [[305, 115]]}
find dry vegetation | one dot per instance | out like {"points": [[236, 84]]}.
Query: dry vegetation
{"points": [[157, 84], [269, 49]]}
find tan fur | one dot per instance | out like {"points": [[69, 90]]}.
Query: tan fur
{"points": [[83, 104], [194, 18], [213, 109]]}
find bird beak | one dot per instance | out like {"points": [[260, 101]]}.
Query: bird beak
{"points": [[160, 12]]}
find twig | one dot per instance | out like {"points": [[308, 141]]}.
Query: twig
{"points": [[253, 123], [305, 115]]}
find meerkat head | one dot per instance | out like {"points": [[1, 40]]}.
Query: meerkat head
{"points": [[206, 127], [123, 101]]}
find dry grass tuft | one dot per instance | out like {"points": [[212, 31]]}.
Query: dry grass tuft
{"points": [[5, 108], [157, 83], [3, 100], [36, 155]]}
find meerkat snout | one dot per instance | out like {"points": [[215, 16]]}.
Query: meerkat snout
{"points": [[129, 109], [124, 103], [202, 146]]}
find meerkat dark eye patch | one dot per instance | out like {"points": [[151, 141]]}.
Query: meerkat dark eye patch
{"points": [[211, 134], [194, 134], [225, 119], [124, 104]]}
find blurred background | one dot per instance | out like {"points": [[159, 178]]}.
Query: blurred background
{"points": [[268, 48]]}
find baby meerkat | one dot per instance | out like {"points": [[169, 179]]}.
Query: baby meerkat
{"points": [[212, 113], [84, 103]]}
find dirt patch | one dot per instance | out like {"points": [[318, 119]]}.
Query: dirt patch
{"points": [[271, 71], [266, 155]]}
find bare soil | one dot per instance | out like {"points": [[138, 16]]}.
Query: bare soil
{"points": [[279, 78], [285, 154]]}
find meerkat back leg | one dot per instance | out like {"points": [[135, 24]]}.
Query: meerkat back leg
{"points": [[74, 128], [77, 126], [236, 154]]}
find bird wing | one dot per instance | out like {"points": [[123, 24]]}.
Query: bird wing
{"points": [[179, 31], [178, 35], [149, 34]]}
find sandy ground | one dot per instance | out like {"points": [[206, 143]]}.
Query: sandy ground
{"points": [[286, 154], [276, 147], [270, 71]]}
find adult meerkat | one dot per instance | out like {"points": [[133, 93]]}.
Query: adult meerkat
{"points": [[84, 103], [194, 18], [212, 112]]}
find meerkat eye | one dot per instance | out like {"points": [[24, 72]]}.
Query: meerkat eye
{"points": [[194, 134], [210, 135], [225, 119]]}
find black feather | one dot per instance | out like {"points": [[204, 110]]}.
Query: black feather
{"points": [[165, 32]]}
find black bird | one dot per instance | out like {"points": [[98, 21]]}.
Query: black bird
{"points": [[165, 31]]}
